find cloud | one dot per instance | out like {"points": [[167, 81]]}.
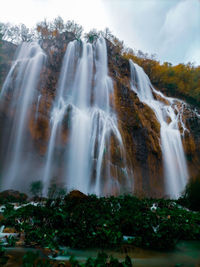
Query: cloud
{"points": [[88, 13], [169, 28], [179, 35]]}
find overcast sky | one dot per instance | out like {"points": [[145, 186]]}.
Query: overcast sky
{"points": [[168, 28]]}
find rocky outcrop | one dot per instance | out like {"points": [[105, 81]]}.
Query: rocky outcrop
{"points": [[191, 140], [76, 194]]}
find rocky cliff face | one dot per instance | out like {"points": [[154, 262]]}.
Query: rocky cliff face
{"points": [[191, 140], [138, 125], [141, 131], [54, 50]]}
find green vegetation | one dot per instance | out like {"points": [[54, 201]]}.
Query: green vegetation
{"points": [[102, 260], [191, 196], [11, 196], [11, 241], [84, 222], [91, 36], [31, 259], [55, 192], [36, 189], [3, 257], [79, 221]]}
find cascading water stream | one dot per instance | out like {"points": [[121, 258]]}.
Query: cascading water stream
{"points": [[78, 155], [83, 98], [21, 83], [104, 120], [37, 107], [169, 117], [85, 149], [59, 109]]}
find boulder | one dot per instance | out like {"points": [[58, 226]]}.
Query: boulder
{"points": [[76, 194]]}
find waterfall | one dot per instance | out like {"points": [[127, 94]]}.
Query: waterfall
{"points": [[85, 149], [37, 107], [169, 115], [82, 107], [21, 87], [60, 107]]}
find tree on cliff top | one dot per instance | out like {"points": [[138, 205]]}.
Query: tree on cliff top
{"points": [[16, 33], [49, 30]]}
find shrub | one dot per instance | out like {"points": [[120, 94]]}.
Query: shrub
{"points": [[36, 189], [191, 196]]}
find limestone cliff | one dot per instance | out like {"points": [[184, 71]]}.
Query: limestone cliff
{"points": [[138, 125]]}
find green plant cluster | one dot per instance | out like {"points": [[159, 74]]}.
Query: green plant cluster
{"points": [[102, 260], [3, 257], [104, 222], [21, 198], [191, 196], [31, 259]]}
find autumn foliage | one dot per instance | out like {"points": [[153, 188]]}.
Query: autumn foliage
{"points": [[182, 80]]}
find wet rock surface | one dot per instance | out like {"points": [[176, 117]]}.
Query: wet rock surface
{"points": [[138, 125]]}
